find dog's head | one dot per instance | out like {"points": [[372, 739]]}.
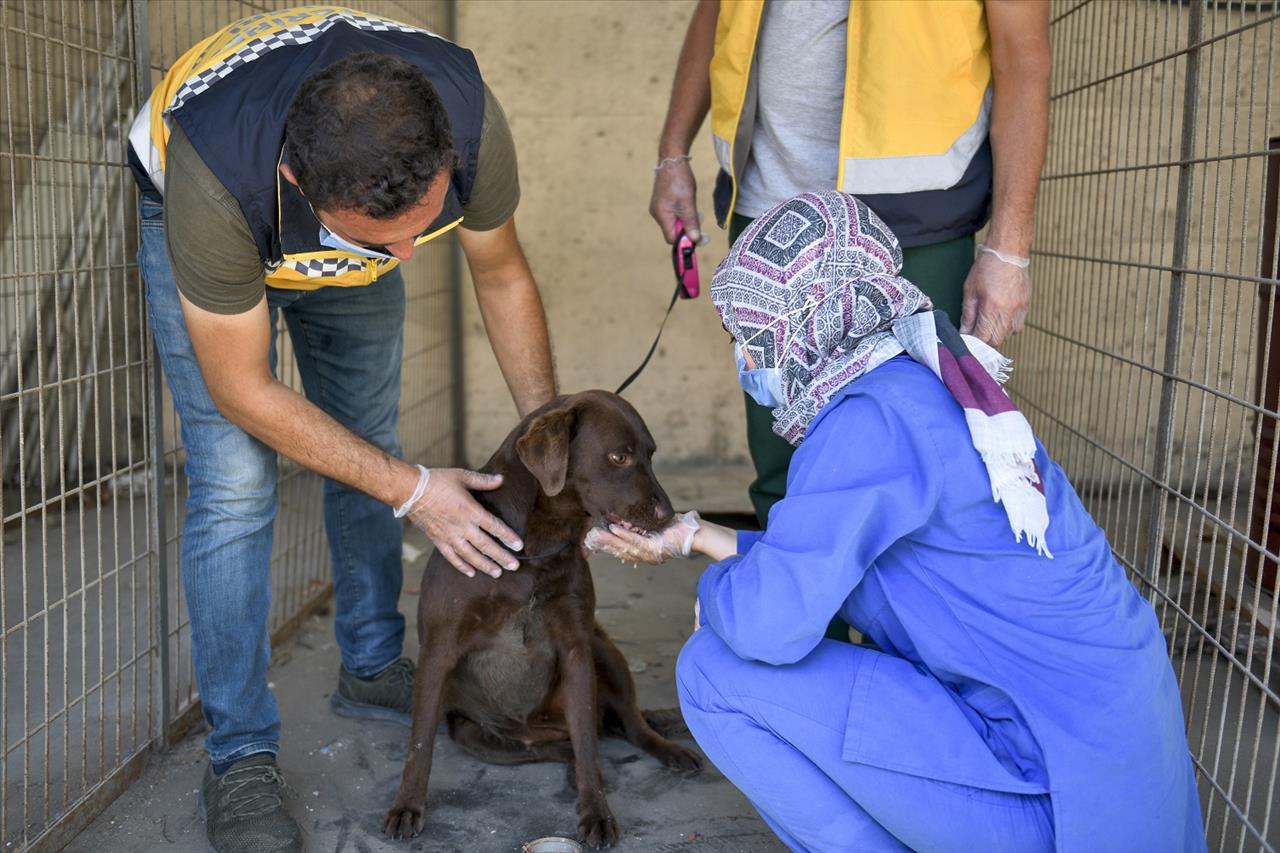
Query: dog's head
{"points": [[595, 449]]}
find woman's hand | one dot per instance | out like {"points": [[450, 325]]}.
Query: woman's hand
{"points": [[674, 540]]}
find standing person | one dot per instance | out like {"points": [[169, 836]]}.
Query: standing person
{"points": [[288, 163], [1020, 697], [934, 112]]}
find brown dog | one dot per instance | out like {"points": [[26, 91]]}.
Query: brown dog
{"points": [[517, 665]]}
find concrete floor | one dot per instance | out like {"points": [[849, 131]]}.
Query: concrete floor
{"points": [[346, 773]]}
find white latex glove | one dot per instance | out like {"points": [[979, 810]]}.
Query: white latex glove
{"points": [[674, 540], [462, 530], [997, 292]]}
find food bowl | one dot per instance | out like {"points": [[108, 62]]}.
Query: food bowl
{"points": [[552, 844]]}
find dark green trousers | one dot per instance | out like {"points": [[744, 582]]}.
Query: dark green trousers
{"points": [[939, 269]]}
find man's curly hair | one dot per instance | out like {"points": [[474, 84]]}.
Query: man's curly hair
{"points": [[369, 133]]}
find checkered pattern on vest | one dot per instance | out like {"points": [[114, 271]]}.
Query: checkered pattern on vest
{"points": [[319, 267], [301, 34]]}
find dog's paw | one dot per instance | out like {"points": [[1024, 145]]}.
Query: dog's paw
{"points": [[597, 828], [404, 821], [668, 722], [677, 758]]}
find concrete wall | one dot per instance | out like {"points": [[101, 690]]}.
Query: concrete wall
{"points": [[585, 86]]}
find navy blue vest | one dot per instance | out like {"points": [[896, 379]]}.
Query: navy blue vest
{"points": [[234, 111]]}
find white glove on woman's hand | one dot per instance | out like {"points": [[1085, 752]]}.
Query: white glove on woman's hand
{"points": [[674, 540]]}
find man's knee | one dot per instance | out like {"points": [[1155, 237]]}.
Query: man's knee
{"points": [[235, 478]]}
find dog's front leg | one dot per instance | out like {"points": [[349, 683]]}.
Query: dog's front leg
{"points": [[596, 825], [408, 811]]}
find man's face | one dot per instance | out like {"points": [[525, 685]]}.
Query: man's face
{"points": [[395, 236]]}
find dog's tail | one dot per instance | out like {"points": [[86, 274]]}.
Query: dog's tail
{"points": [[668, 722]]}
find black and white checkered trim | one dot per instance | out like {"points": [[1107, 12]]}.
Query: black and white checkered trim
{"points": [[321, 267], [301, 34]]}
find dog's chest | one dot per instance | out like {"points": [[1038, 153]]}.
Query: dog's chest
{"points": [[516, 668]]}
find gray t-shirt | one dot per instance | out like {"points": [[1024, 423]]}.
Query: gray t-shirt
{"points": [[211, 250], [800, 66]]}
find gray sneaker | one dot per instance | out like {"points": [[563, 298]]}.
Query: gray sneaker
{"points": [[244, 808], [386, 696]]}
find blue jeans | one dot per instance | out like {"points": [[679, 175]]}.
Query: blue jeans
{"points": [[348, 343]]}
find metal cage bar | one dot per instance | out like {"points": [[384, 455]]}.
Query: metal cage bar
{"points": [[1147, 366], [94, 641]]}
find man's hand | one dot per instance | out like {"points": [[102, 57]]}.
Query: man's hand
{"points": [[674, 188], [461, 529], [674, 197], [996, 296]]}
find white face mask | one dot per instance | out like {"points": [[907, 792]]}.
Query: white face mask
{"points": [[764, 384], [333, 241]]}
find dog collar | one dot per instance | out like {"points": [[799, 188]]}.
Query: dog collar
{"points": [[559, 550]]}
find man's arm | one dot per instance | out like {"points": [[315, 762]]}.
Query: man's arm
{"points": [[674, 188], [996, 294], [512, 312], [233, 352]]}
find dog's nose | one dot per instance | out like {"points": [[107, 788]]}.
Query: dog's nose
{"points": [[663, 512]]}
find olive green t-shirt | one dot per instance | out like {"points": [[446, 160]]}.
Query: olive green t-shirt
{"points": [[214, 258]]}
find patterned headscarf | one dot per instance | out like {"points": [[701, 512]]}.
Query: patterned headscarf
{"points": [[812, 287]]}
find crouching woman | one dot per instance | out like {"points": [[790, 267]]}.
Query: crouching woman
{"points": [[1019, 696]]}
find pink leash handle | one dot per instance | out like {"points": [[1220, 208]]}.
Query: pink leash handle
{"points": [[686, 268], [684, 262]]}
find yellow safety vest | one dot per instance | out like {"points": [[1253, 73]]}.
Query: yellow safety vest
{"points": [[917, 97]]}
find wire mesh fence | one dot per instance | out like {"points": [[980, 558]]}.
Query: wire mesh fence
{"points": [[94, 640], [1151, 365]]}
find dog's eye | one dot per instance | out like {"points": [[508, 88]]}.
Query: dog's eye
{"points": [[620, 458]]}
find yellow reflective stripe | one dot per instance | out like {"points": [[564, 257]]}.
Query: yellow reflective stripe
{"points": [[164, 92], [916, 172], [284, 283], [436, 233], [291, 279], [852, 36], [737, 31], [737, 27], [918, 93], [326, 254], [226, 41]]}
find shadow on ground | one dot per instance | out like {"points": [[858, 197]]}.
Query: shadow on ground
{"points": [[345, 773]]}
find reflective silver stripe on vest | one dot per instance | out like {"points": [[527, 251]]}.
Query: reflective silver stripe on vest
{"points": [[722, 152], [875, 175], [140, 139]]}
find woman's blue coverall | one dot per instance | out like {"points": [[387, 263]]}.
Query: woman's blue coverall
{"points": [[1016, 703]]}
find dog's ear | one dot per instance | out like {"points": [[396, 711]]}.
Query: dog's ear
{"points": [[544, 449]]}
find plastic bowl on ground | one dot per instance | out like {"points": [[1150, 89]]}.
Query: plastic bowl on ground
{"points": [[552, 844]]}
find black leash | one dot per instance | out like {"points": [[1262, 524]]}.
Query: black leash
{"points": [[685, 267], [636, 373]]}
